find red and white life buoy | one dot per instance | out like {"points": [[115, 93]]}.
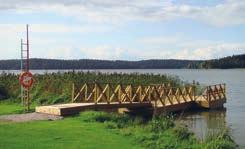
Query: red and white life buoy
{"points": [[26, 79]]}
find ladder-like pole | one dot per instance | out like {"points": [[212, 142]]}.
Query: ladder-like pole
{"points": [[25, 65], [21, 68], [27, 48]]}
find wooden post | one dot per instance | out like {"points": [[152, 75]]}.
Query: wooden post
{"points": [[73, 92], [119, 94], [130, 92], [225, 88], [95, 93], [28, 100], [194, 90], [209, 89], [108, 93], [155, 103], [140, 94], [86, 92]]}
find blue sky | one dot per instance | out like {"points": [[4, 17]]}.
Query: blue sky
{"points": [[123, 29]]}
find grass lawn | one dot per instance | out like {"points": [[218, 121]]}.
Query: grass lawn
{"points": [[100, 130], [70, 133], [7, 107]]}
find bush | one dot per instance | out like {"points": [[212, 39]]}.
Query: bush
{"points": [[220, 144], [182, 132], [92, 116], [3, 92], [57, 87], [161, 123], [111, 125], [220, 139], [159, 133]]}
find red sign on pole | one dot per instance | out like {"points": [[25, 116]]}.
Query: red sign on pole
{"points": [[26, 80]]}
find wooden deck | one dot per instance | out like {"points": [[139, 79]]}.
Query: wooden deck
{"points": [[162, 98]]}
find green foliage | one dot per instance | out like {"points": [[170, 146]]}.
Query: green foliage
{"points": [[220, 139], [159, 133], [92, 116], [57, 87], [118, 120], [182, 132], [9, 85], [3, 92], [235, 61], [98, 64], [161, 123]]}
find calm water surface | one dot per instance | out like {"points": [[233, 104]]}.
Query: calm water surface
{"points": [[199, 122]]}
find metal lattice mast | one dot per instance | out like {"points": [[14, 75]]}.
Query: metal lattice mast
{"points": [[25, 64], [22, 70], [27, 48]]}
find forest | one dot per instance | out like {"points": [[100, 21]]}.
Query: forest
{"points": [[235, 61]]}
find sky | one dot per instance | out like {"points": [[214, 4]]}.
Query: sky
{"points": [[123, 29]]}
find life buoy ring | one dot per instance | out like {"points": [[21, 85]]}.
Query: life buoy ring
{"points": [[26, 79]]}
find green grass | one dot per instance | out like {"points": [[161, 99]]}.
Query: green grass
{"points": [[92, 130], [7, 107], [70, 133], [159, 133]]}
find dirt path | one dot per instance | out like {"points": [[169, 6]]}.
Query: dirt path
{"points": [[29, 117]]}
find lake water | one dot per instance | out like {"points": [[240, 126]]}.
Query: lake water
{"points": [[199, 122]]}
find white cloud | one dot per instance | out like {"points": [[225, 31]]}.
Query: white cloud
{"points": [[9, 29], [159, 40], [102, 52], [11, 34], [60, 53], [159, 47], [178, 47], [205, 52], [210, 51], [230, 12]]}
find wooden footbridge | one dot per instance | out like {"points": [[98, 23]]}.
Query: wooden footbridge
{"points": [[160, 98]]}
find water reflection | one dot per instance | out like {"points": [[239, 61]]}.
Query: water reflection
{"points": [[202, 122]]}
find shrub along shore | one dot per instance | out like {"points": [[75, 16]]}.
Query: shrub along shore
{"points": [[159, 133], [57, 87]]}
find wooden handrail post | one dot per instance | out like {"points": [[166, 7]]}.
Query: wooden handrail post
{"points": [[73, 92], [194, 90], [224, 88], [95, 93], [155, 102], [130, 93], [86, 92], [108, 93], [119, 93], [209, 94]]}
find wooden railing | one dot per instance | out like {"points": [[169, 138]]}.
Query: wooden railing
{"points": [[215, 92], [161, 95]]}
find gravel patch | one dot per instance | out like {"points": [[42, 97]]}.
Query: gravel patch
{"points": [[29, 117]]}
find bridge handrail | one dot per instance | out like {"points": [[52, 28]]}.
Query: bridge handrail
{"points": [[150, 93], [215, 92], [145, 93]]}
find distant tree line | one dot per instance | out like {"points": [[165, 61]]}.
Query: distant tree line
{"points": [[237, 61], [96, 64]]}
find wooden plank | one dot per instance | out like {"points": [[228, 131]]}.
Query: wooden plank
{"points": [[74, 108]]}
